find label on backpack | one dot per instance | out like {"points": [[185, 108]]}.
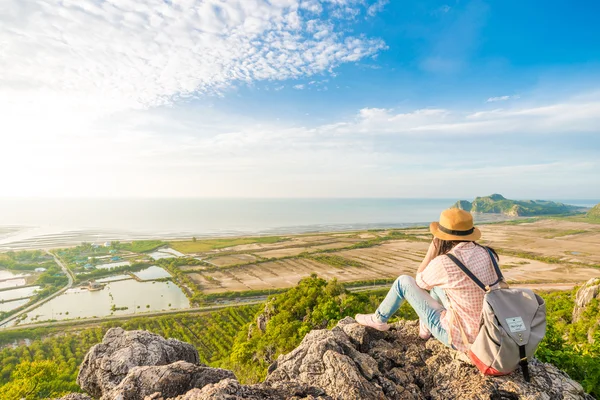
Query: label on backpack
{"points": [[516, 324]]}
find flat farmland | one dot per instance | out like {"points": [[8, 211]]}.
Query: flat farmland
{"points": [[572, 242], [275, 274], [546, 252]]}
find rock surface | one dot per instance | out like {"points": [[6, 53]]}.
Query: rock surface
{"points": [[348, 362], [109, 362], [168, 380], [585, 294]]}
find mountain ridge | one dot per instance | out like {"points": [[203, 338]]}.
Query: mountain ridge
{"points": [[498, 204]]}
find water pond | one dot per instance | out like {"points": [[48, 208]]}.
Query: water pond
{"points": [[151, 273], [113, 265], [18, 293], [10, 279], [136, 296], [13, 283], [158, 255], [11, 305], [113, 278]]}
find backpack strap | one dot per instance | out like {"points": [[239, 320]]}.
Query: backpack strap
{"points": [[467, 271], [472, 276], [496, 268], [523, 363]]}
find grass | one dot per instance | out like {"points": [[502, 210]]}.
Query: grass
{"points": [[566, 233], [578, 218], [142, 246], [531, 256], [201, 246], [334, 260]]}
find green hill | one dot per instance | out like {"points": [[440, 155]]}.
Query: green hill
{"points": [[594, 212], [498, 204]]}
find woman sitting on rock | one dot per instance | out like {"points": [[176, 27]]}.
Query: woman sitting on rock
{"points": [[448, 303]]}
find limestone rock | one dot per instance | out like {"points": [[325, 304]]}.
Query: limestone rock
{"points": [[355, 362], [230, 389], [589, 291], [76, 396], [109, 362], [347, 362], [169, 380]]}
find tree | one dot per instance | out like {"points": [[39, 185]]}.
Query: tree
{"points": [[32, 380]]}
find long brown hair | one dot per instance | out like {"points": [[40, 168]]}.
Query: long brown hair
{"points": [[444, 246]]}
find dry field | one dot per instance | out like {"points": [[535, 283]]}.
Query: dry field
{"points": [[574, 242], [546, 252]]}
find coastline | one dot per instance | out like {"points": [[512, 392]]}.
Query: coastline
{"points": [[49, 238]]}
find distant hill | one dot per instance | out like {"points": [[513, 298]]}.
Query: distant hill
{"points": [[498, 204], [594, 212]]}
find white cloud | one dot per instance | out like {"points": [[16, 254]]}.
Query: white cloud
{"points": [[501, 98], [376, 7], [130, 53], [378, 152], [299, 86]]}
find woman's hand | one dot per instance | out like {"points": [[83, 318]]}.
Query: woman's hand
{"points": [[429, 256]]}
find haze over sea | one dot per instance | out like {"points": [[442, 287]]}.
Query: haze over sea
{"points": [[53, 222]]}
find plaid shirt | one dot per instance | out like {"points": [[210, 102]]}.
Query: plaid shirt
{"points": [[465, 297]]}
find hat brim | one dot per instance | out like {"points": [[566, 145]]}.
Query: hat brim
{"points": [[434, 228]]}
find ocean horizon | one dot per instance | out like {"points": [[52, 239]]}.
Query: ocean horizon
{"points": [[54, 222]]}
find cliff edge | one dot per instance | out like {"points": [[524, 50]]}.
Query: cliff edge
{"points": [[347, 362]]}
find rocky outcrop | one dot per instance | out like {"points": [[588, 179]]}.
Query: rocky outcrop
{"points": [[108, 363], [347, 362], [588, 292], [169, 380], [354, 362]]}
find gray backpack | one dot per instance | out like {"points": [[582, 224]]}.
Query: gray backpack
{"points": [[513, 323]]}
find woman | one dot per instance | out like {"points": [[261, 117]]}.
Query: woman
{"points": [[451, 310]]}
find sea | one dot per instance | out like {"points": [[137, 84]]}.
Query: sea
{"points": [[53, 222]]}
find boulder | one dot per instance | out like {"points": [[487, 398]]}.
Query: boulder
{"points": [[109, 362], [231, 389], [169, 380]]}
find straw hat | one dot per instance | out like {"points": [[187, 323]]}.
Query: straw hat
{"points": [[455, 224]]}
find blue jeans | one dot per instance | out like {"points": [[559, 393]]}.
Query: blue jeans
{"points": [[428, 305]]}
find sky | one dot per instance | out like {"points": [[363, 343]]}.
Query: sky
{"points": [[299, 98]]}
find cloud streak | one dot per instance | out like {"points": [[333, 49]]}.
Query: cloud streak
{"points": [[501, 98], [147, 53]]}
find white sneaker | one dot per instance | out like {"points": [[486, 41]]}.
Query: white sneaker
{"points": [[424, 332], [370, 320]]}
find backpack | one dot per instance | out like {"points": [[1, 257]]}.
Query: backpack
{"points": [[513, 323]]}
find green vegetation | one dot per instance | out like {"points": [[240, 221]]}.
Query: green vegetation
{"points": [[26, 260], [100, 273], [35, 380], [53, 358], [498, 204], [555, 233], [139, 246], [334, 260], [200, 246], [313, 304], [594, 213], [546, 259], [573, 347]]}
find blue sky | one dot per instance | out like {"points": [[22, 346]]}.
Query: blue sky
{"points": [[300, 98]]}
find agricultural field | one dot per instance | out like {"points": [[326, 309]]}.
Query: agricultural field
{"points": [[538, 252]]}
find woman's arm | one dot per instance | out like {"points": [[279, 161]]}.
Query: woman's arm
{"points": [[429, 256]]}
